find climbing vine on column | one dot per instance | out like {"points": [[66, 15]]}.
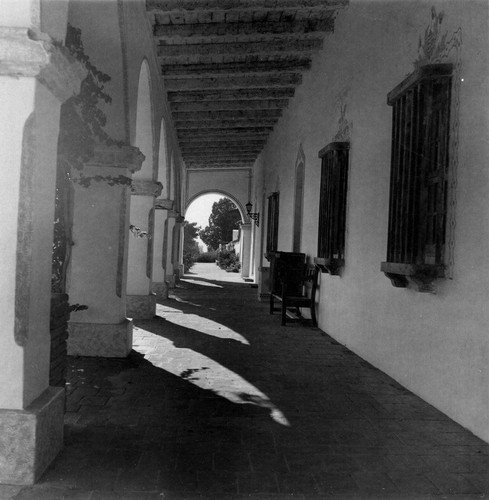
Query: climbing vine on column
{"points": [[82, 123]]}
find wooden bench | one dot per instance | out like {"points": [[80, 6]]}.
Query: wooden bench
{"points": [[298, 289]]}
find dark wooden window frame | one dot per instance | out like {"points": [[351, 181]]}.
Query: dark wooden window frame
{"points": [[332, 207], [419, 177], [272, 223]]}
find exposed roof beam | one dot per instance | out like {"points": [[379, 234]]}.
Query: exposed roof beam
{"points": [[200, 70], [201, 147], [229, 105], [201, 142], [220, 163], [233, 82], [206, 5], [172, 31], [244, 134], [224, 124], [254, 114], [232, 95], [220, 157], [290, 46]]}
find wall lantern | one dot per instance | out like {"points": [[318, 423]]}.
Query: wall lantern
{"points": [[253, 215]]}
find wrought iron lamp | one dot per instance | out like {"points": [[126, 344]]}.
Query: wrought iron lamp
{"points": [[253, 215]]}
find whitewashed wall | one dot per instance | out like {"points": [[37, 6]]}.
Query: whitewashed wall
{"points": [[435, 345]]}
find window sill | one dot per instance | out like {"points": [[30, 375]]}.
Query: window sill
{"points": [[331, 266], [422, 276]]}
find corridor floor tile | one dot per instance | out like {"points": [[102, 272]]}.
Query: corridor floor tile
{"points": [[218, 401]]}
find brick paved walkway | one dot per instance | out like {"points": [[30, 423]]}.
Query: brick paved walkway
{"points": [[218, 400]]}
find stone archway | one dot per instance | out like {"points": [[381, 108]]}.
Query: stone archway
{"points": [[140, 301]]}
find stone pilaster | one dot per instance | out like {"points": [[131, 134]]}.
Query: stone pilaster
{"points": [[36, 76], [174, 220], [141, 302], [100, 240], [245, 249], [159, 285]]}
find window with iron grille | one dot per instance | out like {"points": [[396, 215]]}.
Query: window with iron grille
{"points": [[332, 207], [419, 177], [272, 222]]}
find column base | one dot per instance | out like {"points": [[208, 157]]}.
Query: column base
{"points": [[31, 439], [99, 339], [263, 283], [160, 289], [141, 306], [171, 280]]}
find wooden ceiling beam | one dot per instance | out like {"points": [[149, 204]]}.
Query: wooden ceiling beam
{"points": [[231, 95], [199, 70], [155, 6], [224, 124], [221, 157], [224, 151], [243, 134], [254, 114], [233, 82], [177, 31], [223, 146], [219, 163], [244, 105], [279, 47], [216, 141], [201, 143]]}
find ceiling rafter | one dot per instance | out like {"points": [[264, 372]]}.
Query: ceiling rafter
{"points": [[199, 70], [278, 47], [245, 105], [157, 6], [188, 31], [230, 67]]}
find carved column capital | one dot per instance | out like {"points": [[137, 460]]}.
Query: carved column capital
{"points": [[179, 218], [124, 156], [146, 188], [162, 204], [25, 53]]}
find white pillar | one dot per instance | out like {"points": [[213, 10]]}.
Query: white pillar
{"points": [[177, 246], [159, 284], [99, 255], [141, 302], [181, 269], [35, 78], [245, 249], [169, 248]]}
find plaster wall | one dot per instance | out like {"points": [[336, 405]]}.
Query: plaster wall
{"points": [[31, 118], [37, 349], [94, 263], [10, 154], [138, 282], [100, 27], [435, 345]]}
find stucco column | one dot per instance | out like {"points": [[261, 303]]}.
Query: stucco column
{"points": [[35, 78], [98, 264], [245, 249], [141, 302], [170, 247], [159, 284], [179, 262], [174, 270]]}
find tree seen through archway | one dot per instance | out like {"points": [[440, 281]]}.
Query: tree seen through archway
{"points": [[224, 217]]}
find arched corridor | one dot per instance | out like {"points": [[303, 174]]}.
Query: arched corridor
{"points": [[351, 135], [217, 400]]}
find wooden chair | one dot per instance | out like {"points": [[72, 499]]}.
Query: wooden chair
{"points": [[295, 282]]}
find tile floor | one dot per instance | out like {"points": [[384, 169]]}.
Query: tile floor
{"points": [[218, 401]]}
